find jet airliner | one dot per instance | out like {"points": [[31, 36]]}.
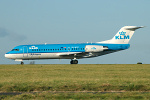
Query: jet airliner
{"points": [[73, 51]]}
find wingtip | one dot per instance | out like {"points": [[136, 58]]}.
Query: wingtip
{"points": [[142, 26]]}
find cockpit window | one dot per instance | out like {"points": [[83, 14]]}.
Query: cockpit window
{"points": [[15, 50]]}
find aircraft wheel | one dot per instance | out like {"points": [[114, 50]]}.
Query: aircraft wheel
{"points": [[22, 63], [71, 62], [74, 62]]}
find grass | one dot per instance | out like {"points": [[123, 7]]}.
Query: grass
{"points": [[77, 96], [28, 78]]}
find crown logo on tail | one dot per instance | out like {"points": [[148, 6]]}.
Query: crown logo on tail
{"points": [[122, 33]]}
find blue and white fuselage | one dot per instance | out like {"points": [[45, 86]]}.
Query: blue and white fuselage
{"points": [[62, 51], [73, 51]]}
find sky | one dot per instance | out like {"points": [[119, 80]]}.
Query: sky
{"points": [[75, 21]]}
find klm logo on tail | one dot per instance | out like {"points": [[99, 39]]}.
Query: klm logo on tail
{"points": [[122, 36]]}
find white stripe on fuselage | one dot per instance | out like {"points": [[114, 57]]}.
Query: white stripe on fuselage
{"points": [[25, 56]]}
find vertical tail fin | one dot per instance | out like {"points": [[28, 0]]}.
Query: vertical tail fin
{"points": [[124, 35]]}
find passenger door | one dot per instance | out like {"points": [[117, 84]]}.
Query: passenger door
{"points": [[25, 51]]}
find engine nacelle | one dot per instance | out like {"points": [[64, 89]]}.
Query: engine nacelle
{"points": [[94, 48]]}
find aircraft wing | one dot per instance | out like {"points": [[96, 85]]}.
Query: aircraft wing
{"points": [[69, 53], [79, 55]]}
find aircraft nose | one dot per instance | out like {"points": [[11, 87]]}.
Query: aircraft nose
{"points": [[6, 55]]}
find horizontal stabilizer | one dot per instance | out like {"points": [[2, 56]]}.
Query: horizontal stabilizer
{"points": [[133, 28]]}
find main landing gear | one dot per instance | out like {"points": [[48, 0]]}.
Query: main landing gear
{"points": [[74, 62]]}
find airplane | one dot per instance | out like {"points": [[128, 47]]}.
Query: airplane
{"points": [[73, 51]]}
